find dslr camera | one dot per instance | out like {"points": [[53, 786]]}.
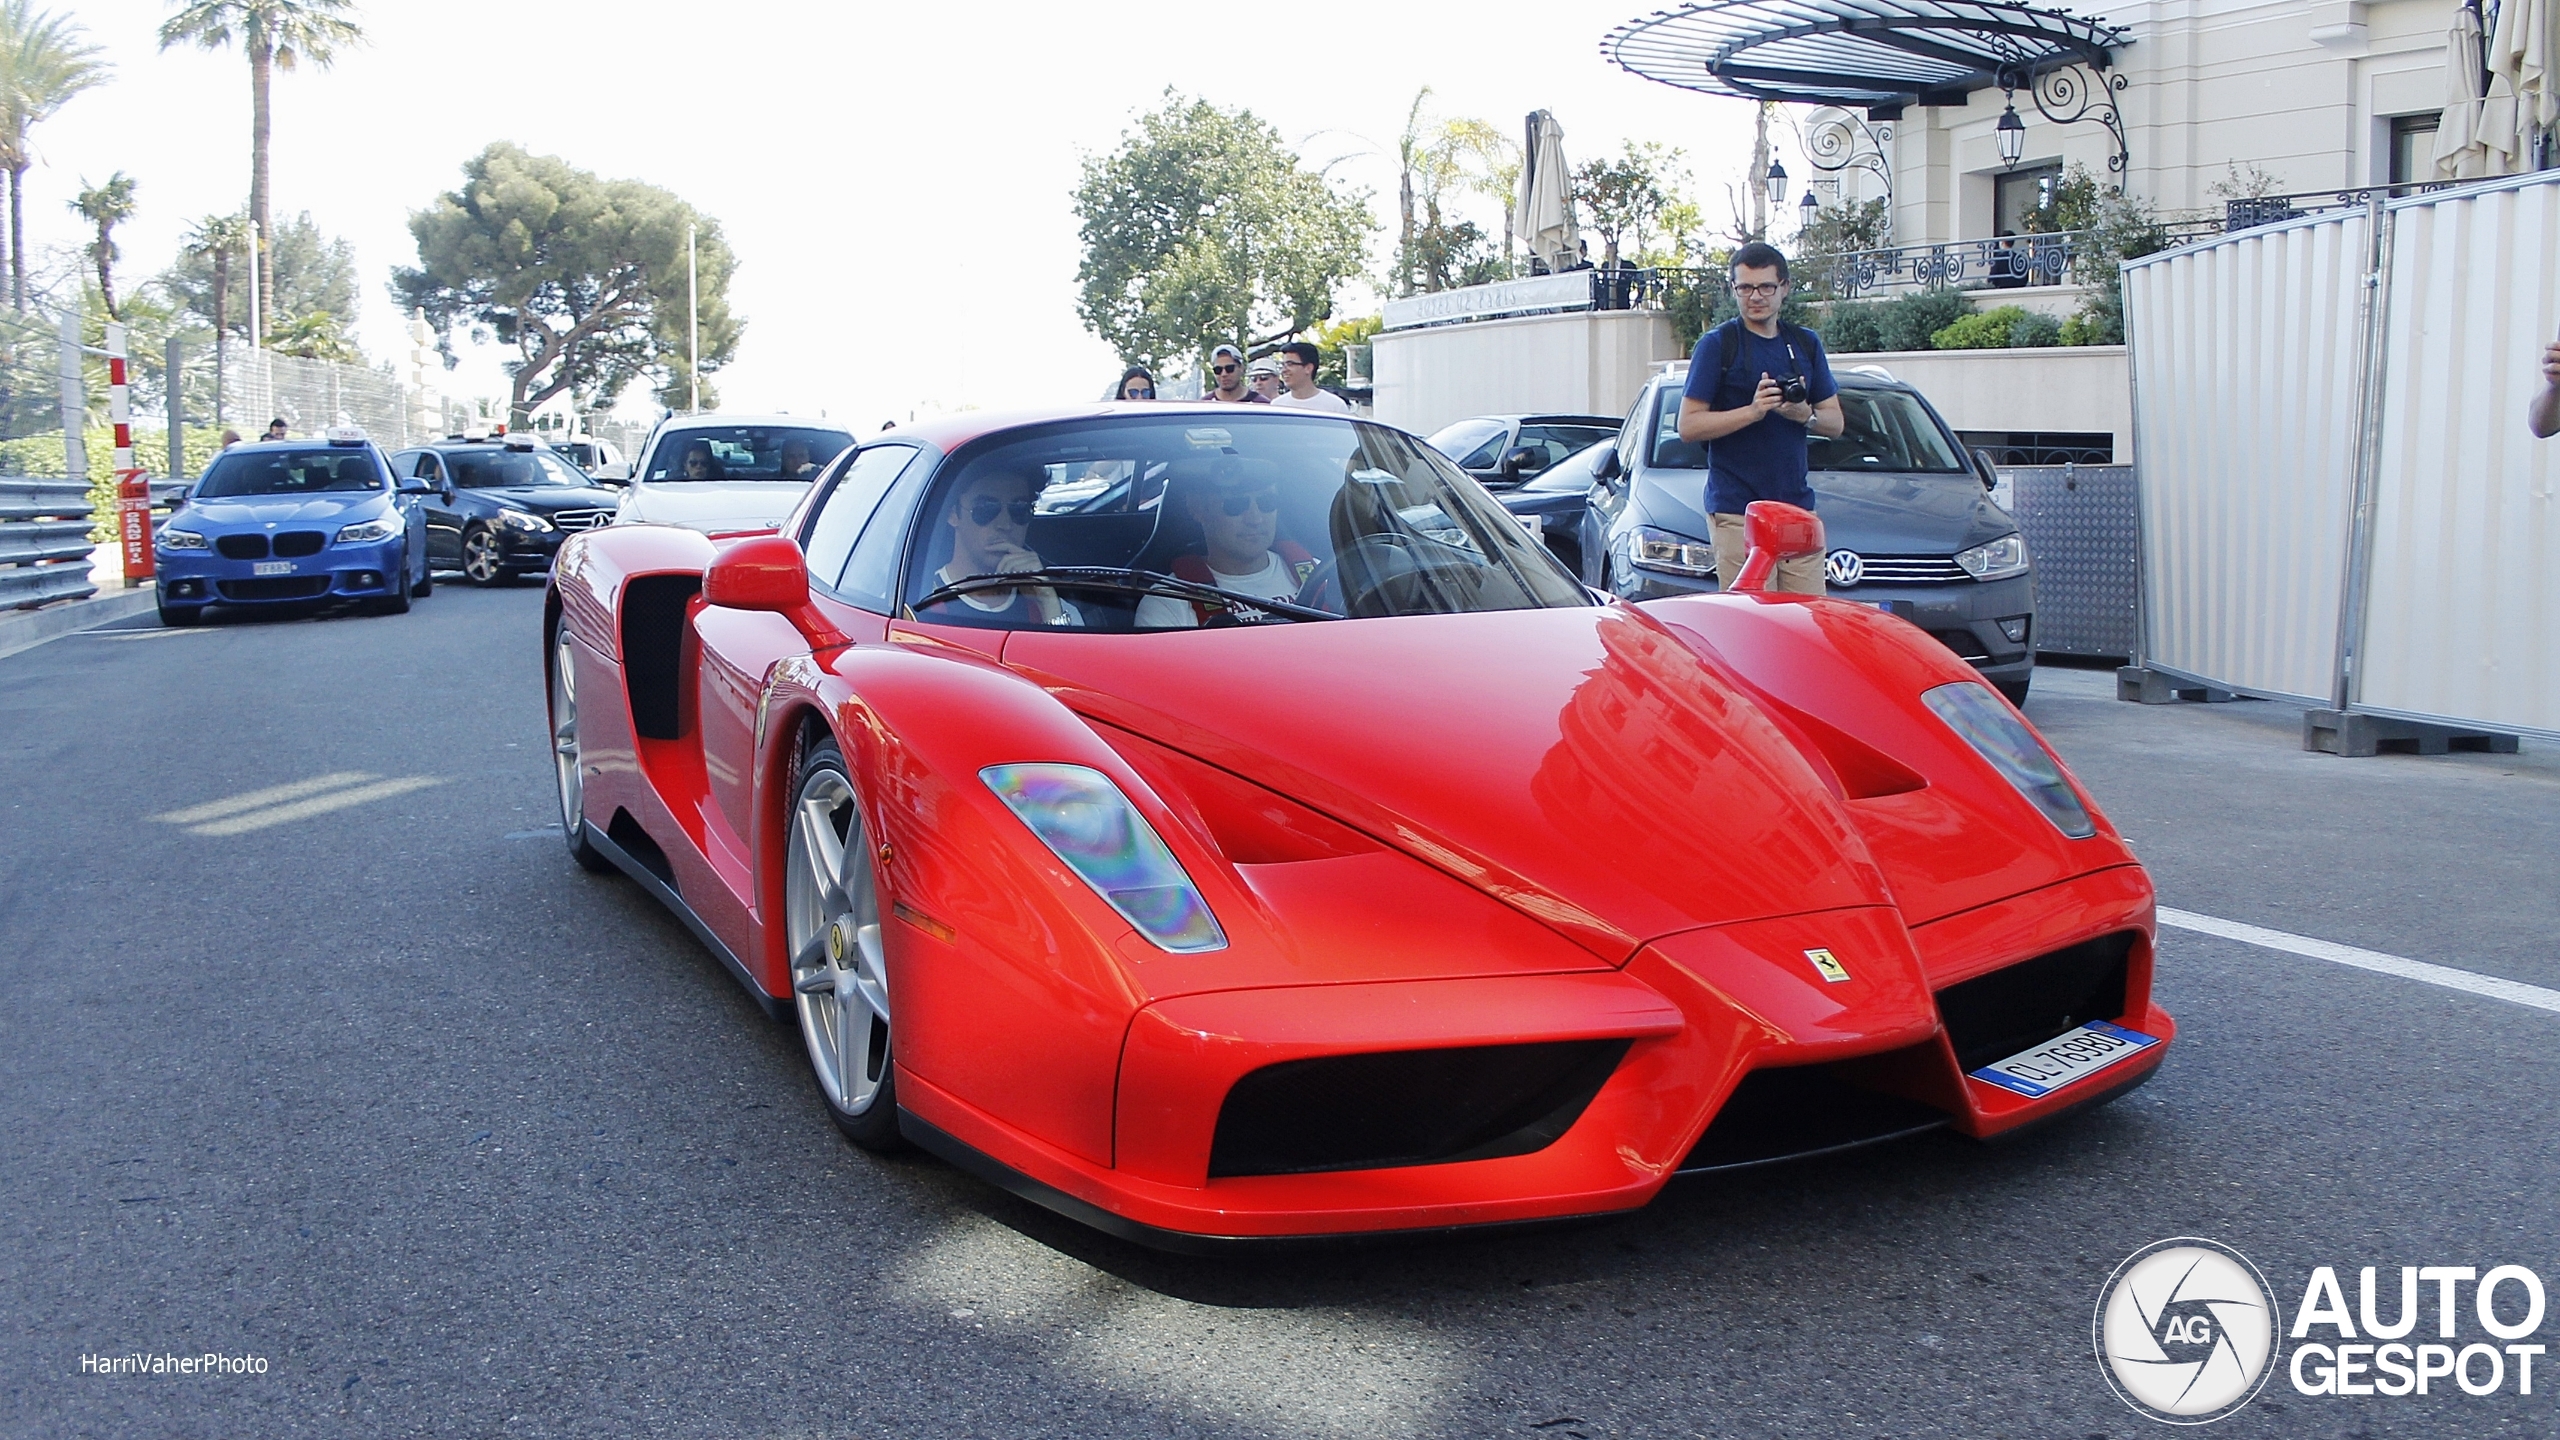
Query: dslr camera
{"points": [[1791, 389]]}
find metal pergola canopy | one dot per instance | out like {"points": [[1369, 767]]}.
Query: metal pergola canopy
{"points": [[1879, 55]]}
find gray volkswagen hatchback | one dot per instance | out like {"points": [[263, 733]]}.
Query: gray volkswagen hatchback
{"points": [[1906, 512]]}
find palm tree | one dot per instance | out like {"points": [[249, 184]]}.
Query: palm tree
{"points": [[45, 60], [106, 207], [217, 238], [275, 34]]}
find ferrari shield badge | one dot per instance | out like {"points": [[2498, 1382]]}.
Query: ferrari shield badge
{"points": [[1828, 965]]}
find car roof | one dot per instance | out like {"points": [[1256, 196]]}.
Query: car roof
{"points": [[313, 443], [949, 432], [718, 419]]}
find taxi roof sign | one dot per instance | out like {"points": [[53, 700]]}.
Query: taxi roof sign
{"points": [[346, 435]]}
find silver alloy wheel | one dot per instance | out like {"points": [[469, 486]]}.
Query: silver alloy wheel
{"points": [[482, 561], [831, 909], [564, 734]]}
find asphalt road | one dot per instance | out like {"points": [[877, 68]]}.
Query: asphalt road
{"points": [[460, 1140]]}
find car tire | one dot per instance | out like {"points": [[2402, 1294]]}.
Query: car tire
{"points": [[484, 562], [2016, 690], [568, 758], [832, 932], [176, 616], [426, 585], [397, 602]]}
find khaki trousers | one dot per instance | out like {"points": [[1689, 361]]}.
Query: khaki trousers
{"points": [[1799, 576]]}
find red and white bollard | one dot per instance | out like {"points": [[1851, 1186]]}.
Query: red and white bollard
{"points": [[133, 493]]}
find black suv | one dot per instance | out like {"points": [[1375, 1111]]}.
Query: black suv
{"points": [[1906, 513], [496, 509]]}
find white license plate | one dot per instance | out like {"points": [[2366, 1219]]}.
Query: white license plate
{"points": [[2065, 1058], [272, 567]]}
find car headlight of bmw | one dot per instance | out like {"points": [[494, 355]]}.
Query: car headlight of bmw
{"points": [[1661, 550], [1999, 736], [182, 540], [367, 531], [1997, 560], [1085, 821], [519, 520]]}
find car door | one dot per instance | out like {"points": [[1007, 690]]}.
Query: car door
{"points": [[444, 523]]}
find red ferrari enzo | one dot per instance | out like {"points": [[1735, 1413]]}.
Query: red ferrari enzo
{"points": [[1221, 825]]}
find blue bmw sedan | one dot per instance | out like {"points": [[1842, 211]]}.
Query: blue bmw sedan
{"points": [[293, 521]]}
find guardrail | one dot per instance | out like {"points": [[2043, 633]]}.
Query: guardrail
{"points": [[44, 538]]}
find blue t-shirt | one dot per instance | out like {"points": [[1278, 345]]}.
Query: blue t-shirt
{"points": [[1764, 460]]}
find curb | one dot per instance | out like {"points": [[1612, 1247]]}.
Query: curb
{"points": [[26, 629]]}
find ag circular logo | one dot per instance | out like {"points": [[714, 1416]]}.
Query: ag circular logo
{"points": [[2186, 1330], [1844, 568]]}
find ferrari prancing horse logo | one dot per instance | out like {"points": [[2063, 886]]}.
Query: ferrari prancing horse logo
{"points": [[1828, 965]]}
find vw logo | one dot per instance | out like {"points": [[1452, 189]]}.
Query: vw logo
{"points": [[2186, 1330], [1844, 568]]}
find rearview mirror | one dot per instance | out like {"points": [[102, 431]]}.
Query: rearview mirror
{"points": [[768, 572]]}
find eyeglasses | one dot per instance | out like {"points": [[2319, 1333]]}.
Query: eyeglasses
{"points": [[985, 509], [1223, 369], [1139, 395], [1294, 360], [1265, 501], [1755, 292]]}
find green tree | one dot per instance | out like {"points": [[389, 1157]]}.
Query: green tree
{"points": [[1203, 227], [45, 60], [1439, 160], [275, 35], [584, 277], [315, 273], [1627, 197], [214, 241], [105, 207]]}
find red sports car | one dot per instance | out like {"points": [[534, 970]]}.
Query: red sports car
{"points": [[1225, 825]]}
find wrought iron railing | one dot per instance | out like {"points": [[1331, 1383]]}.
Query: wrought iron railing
{"points": [[2250, 211], [2006, 263]]}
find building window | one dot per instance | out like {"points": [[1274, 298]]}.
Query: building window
{"points": [[2024, 447], [2413, 148], [2017, 196]]}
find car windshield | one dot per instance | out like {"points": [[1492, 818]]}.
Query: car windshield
{"points": [[1883, 431], [510, 469], [1178, 522], [338, 468], [745, 452], [1572, 473], [1471, 442]]}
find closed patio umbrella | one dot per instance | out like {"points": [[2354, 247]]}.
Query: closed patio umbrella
{"points": [[1543, 214], [2458, 152], [2524, 61]]}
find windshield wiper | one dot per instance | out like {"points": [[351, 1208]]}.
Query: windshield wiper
{"points": [[1113, 577]]}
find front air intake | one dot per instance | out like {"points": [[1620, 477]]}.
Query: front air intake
{"points": [[2017, 1007], [1408, 1107]]}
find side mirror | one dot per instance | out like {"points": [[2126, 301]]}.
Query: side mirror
{"points": [[1983, 467], [1608, 466], [1777, 532], [617, 482], [1520, 461], [617, 473], [415, 486], [768, 572]]}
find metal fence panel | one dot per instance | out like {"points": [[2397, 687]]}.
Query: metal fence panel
{"points": [[2462, 619], [2085, 540], [310, 395], [2245, 387], [44, 541]]}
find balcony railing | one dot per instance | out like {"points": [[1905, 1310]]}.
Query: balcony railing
{"points": [[2249, 212]]}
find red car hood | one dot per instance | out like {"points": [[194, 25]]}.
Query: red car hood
{"points": [[1581, 764]]}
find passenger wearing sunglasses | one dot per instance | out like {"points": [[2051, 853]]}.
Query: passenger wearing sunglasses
{"points": [[1239, 516], [1226, 371], [990, 518]]}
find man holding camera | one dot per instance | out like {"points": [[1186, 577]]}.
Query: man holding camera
{"points": [[1757, 388]]}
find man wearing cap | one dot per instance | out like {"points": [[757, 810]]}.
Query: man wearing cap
{"points": [[1264, 375], [1226, 371]]}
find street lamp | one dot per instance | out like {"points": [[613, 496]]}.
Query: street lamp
{"points": [[2012, 132], [1776, 184], [1806, 209]]}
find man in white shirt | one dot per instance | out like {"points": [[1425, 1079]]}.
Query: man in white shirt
{"points": [[1298, 374], [990, 520], [1241, 521]]}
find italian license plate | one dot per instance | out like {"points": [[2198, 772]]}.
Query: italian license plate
{"points": [[272, 567], [2065, 1058]]}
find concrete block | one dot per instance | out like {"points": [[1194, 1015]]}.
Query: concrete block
{"points": [[2333, 732]]}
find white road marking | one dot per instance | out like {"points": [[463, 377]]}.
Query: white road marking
{"points": [[2513, 991], [272, 795], [317, 805]]}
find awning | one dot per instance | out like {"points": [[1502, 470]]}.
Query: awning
{"points": [[1877, 54]]}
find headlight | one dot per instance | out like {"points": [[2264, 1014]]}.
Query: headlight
{"points": [[1085, 821], [371, 530], [519, 520], [1998, 560], [181, 540], [1999, 736], [1661, 550]]}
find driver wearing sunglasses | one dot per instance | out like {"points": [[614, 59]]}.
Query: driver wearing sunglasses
{"points": [[990, 519], [1239, 516]]}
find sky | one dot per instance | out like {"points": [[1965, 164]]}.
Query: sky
{"points": [[895, 179]]}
